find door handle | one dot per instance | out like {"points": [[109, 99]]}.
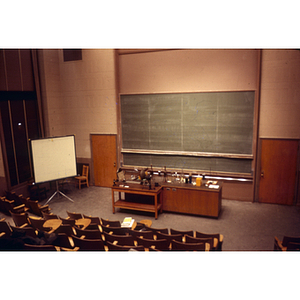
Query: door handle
{"points": [[114, 164], [262, 174]]}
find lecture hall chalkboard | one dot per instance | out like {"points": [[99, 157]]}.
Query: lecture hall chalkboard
{"points": [[203, 131]]}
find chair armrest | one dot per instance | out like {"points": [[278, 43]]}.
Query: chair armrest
{"points": [[2, 234], [71, 241], [19, 207], [279, 243], [68, 249], [207, 247], [221, 238], [44, 207], [24, 225]]}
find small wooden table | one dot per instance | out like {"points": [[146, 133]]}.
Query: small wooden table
{"points": [[137, 189]]}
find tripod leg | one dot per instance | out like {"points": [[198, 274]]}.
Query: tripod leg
{"points": [[51, 197], [65, 196]]}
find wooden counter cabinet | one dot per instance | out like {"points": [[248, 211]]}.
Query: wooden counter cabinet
{"points": [[185, 198]]}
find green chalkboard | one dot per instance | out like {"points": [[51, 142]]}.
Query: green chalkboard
{"points": [[180, 128]]}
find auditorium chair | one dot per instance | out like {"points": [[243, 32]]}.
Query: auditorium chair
{"points": [[180, 246], [74, 215], [162, 230], [182, 232], [37, 209], [284, 245], [4, 228], [110, 223], [26, 230], [210, 241], [88, 244], [48, 216], [218, 239], [29, 247], [65, 228], [120, 240], [113, 247], [143, 233], [9, 205], [115, 230], [37, 223], [94, 220], [169, 237], [162, 245], [19, 219], [88, 233], [70, 222]]}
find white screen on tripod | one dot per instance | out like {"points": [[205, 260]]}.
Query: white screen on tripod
{"points": [[53, 158]]}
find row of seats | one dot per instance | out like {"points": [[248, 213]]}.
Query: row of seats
{"points": [[107, 235], [288, 243], [12, 202]]}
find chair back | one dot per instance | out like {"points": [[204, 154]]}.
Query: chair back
{"points": [[163, 230], [85, 171], [179, 246], [87, 233], [94, 220], [29, 231], [88, 244], [19, 219], [157, 244], [144, 234], [293, 246], [48, 216], [217, 236], [4, 227], [38, 223], [115, 230], [182, 232], [210, 240], [65, 228], [29, 247], [70, 222], [110, 223], [169, 237], [113, 247], [123, 240], [290, 239], [74, 215]]}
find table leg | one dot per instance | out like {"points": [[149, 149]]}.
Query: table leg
{"points": [[113, 201], [155, 200]]}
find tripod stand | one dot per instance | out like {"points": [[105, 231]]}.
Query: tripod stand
{"points": [[58, 192]]}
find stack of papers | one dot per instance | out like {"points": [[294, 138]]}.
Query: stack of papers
{"points": [[213, 186], [127, 222]]}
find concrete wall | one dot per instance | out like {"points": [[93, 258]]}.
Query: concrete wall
{"points": [[79, 96]]}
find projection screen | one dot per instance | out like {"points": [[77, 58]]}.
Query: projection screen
{"points": [[53, 158]]}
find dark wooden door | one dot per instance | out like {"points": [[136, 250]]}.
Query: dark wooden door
{"points": [[104, 149], [278, 171]]}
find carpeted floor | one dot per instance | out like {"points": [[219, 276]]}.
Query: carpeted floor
{"points": [[245, 226]]}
